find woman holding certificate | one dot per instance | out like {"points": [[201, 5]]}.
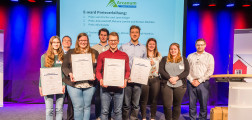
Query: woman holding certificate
{"points": [[153, 86], [79, 68], [53, 58], [173, 70]]}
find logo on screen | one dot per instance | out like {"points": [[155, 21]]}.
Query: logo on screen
{"points": [[120, 4], [112, 3]]}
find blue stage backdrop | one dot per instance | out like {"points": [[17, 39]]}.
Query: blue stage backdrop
{"points": [[216, 25], [28, 28]]}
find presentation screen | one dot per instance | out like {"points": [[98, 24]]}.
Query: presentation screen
{"points": [[162, 20], [242, 58]]}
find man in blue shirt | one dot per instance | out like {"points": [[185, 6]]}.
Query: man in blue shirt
{"points": [[133, 90]]}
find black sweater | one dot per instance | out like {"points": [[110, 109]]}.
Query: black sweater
{"points": [[165, 76]]}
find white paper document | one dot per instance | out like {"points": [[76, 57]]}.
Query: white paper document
{"points": [[114, 70], [140, 71], [82, 67], [51, 80]]}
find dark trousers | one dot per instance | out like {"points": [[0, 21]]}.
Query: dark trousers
{"points": [[97, 101], [172, 97], [201, 93], [70, 111], [131, 101], [153, 89]]}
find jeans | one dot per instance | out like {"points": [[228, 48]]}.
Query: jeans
{"points": [[49, 106], [172, 97], [131, 101], [201, 93], [150, 92], [81, 99], [106, 97]]}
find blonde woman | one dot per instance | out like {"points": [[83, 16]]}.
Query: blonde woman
{"points": [[173, 70], [80, 92], [53, 58]]}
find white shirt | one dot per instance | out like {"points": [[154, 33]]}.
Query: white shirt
{"points": [[201, 66]]}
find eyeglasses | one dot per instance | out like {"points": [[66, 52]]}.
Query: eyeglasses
{"points": [[112, 41], [82, 40], [55, 42], [200, 44], [66, 40]]}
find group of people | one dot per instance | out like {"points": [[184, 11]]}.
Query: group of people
{"points": [[170, 75]]}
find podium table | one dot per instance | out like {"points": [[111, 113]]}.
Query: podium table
{"points": [[240, 95], [231, 77]]}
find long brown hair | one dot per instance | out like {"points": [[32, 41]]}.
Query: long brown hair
{"points": [[49, 56], [178, 57], [156, 53], [77, 49]]}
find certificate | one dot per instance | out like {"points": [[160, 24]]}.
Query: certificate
{"points": [[140, 71], [82, 67], [114, 70], [51, 80]]}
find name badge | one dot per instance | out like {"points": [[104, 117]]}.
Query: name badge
{"points": [[181, 67], [58, 62]]}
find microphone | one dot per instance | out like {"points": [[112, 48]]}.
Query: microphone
{"points": [[228, 63]]}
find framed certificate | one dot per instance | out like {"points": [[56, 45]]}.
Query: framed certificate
{"points": [[140, 71], [114, 70], [82, 67], [51, 80]]}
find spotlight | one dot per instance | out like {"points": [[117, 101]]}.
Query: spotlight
{"points": [[31, 0], [212, 3], [246, 3], [14, 0], [195, 3], [230, 3], [48, 1]]}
